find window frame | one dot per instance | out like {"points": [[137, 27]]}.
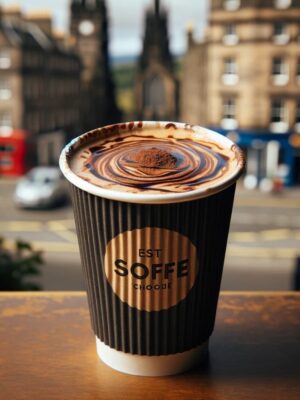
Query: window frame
{"points": [[230, 36], [229, 66], [8, 64], [6, 162], [282, 4], [228, 119], [231, 5], [279, 117], [230, 75], [283, 37], [280, 77], [5, 125], [5, 89], [7, 148]]}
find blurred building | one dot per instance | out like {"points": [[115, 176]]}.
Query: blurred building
{"points": [[53, 86], [39, 91], [156, 85], [244, 81], [89, 31]]}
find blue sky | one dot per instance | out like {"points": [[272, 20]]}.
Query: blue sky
{"points": [[126, 20]]}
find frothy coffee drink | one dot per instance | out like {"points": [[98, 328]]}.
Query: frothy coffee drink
{"points": [[152, 160], [152, 204]]}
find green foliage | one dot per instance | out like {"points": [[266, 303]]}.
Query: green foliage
{"points": [[124, 76], [178, 67], [17, 265]]}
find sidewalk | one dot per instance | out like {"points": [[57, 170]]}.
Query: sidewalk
{"points": [[291, 193]]}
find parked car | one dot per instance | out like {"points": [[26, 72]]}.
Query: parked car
{"points": [[42, 187]]}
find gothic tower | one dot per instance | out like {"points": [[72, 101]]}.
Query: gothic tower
{"points": [[89, 30], [156, 85]]}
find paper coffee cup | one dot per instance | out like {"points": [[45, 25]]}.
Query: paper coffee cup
{"points": [[152, 264]]}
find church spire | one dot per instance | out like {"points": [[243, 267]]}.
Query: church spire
{"points": [[156, 84]]}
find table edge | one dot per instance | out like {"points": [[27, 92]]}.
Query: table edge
{"points": [[83, 293]]}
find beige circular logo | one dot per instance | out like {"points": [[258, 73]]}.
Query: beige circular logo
{"points": [[151, 269]]}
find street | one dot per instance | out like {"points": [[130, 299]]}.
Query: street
{"points": [[264, 240]]}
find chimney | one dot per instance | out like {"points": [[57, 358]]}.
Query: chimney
{"points": [[12, 13], [59, 37], [42, 18], [190, 34]]}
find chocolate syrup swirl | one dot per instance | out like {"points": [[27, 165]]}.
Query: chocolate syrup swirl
{"points": [[150, 164]]}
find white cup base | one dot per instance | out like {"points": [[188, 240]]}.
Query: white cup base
{"points": [[135, 364]]}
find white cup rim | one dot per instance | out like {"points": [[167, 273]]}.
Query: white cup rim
{"points": [[142, 198]]}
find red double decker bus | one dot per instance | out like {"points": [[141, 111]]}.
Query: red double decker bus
{"points": [[16, 152]]}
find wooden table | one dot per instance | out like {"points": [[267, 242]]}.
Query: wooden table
{"points": [[47, 351]]}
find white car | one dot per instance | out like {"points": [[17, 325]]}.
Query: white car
{"points": [[42, 187]]}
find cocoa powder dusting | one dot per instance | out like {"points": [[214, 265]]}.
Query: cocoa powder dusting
{"points": [[155, 158]]}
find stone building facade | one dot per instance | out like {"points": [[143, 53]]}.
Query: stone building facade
{"points": [[244, 80], [53, 86], [39, 84], [156, 89]]}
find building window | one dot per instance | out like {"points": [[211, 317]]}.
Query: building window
{"points": [[297, 119], [5, 162], [282, 4], [230, 76], [5, 121], [229, 66], [280, 75], [230, 37], [281, 34], [279, 116], [229, 114], [232, 5], [154, 95], [6, 148], [5, 89], [5, 60]]}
